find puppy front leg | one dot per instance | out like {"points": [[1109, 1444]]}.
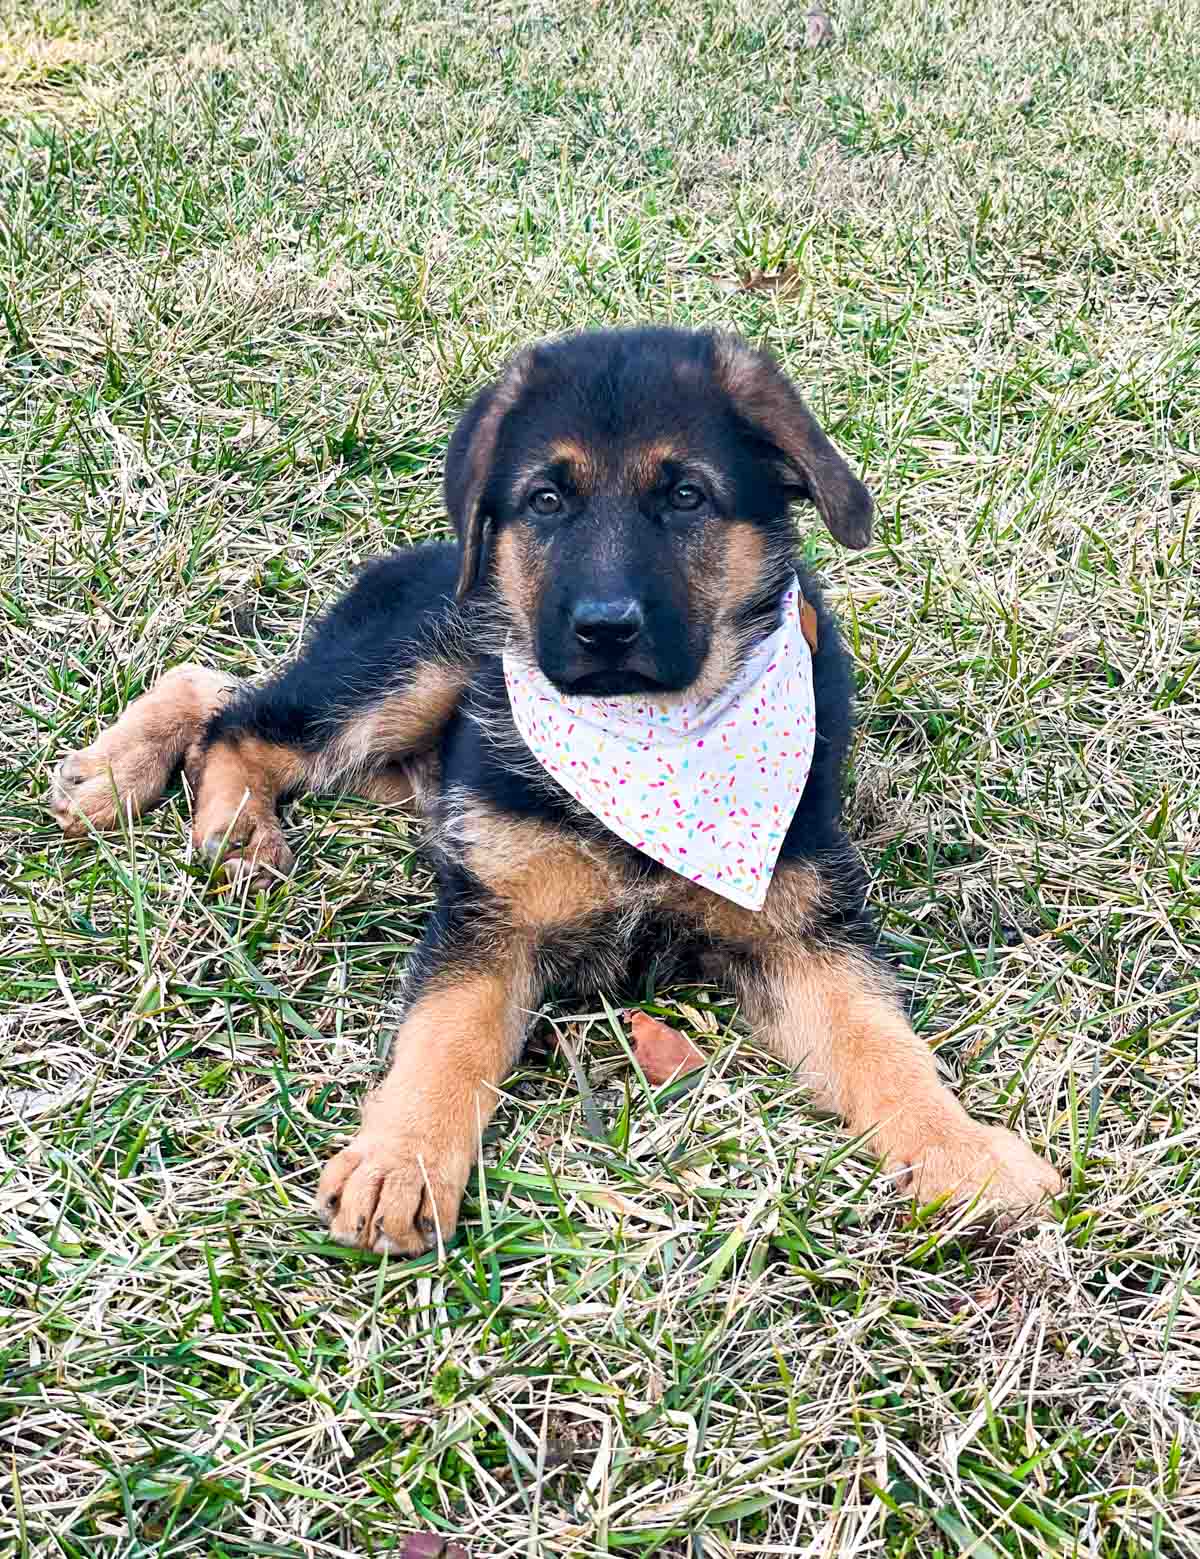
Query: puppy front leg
{"points": [[401, 1179], [837, 1016]]}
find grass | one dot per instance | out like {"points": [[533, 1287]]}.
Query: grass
{"points": [[254, 259]]}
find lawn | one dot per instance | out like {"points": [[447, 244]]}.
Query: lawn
{"points": [[253, 260]]}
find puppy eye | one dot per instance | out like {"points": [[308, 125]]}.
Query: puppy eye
{"points": [[545, 501], [685, 495]]}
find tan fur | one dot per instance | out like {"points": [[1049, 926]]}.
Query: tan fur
{"points": [[728, 566], [743, 564], [793, 901], [831, 1013], [541, 875], [808, 623], [579, 459], [518, 572], [398, 1184], [237, 782], [129, 767], [407, 721], [395, 785], [836, 1016], [400, 1180], [547, 877], [642, 465]]}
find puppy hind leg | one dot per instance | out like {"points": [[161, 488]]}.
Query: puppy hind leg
{"points": [[131, 764]]}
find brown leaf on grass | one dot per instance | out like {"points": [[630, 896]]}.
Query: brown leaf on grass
{"points": [[569, 1438], [431, 1545], [782, 280], [662, 1052], [256, 429]]}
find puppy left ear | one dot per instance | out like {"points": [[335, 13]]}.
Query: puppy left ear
{"points": [[767, 400], [469, 462]]}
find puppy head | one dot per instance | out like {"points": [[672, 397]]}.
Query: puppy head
{"points": [[628, 493]]}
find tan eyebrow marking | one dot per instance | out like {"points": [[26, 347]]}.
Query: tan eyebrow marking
{"points": [[575, 455], [643, 466], [644, 463]]}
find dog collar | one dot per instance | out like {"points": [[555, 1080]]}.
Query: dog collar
{"points": [[706, 788]]}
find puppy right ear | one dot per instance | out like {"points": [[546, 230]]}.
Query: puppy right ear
{"points": [[469, 463]]}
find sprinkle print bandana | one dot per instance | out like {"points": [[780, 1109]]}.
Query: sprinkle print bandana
{"points": [[707, 789]]}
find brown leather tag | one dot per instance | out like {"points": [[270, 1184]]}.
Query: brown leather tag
{"points": [[808, 623]]}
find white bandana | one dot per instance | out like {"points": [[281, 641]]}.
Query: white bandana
{"points": [[705, 788]]}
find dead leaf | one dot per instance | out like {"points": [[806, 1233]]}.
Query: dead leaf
{"points": [[782, 280], [662, 1052], [431, 1545], [818, 29], [568, 1438], [255, 430]]}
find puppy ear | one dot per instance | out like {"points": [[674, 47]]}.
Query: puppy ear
{"points": [[469, 462], [768, 401]]}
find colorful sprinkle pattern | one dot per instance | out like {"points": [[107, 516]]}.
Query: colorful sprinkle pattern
{"points": [[707, 789]]}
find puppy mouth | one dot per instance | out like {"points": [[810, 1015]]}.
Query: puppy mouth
{"points": [[613, 682]]}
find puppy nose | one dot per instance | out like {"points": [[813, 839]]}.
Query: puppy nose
{"points": [[607, 628]]}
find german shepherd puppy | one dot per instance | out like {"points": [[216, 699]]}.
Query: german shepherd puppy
{"points": [[622, 502]]}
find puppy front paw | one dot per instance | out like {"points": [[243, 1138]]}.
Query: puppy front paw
{"points": [[964, 1162], [247, 847], [394, 1193]]}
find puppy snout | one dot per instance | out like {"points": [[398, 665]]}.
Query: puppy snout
{"points": [[608, 629]]}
